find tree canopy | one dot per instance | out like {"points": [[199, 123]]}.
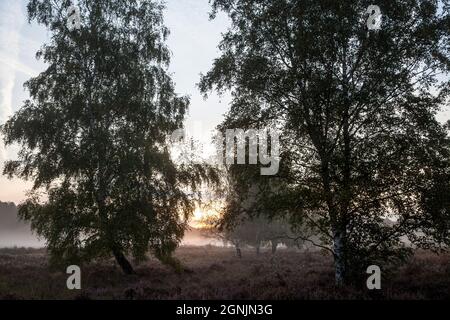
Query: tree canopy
{"points": [[94, 135], [357, 110]]}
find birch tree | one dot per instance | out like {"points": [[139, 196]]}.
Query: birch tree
{"points": [[93, 135], [357, 109]]}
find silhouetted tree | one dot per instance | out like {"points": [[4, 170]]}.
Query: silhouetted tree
{"points": [[94, 135], [356, 109]]}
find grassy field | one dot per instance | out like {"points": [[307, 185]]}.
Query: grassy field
{"points": [[216, 273]]}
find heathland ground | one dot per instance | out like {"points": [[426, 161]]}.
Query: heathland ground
{"points": [[216, 273]]}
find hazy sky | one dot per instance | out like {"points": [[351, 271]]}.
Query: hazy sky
{"points": [[193, 42]]}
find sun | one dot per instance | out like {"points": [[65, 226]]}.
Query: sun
{"points": [[201, 214]]}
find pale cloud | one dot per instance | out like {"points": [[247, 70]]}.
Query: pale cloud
{"points": [[11, 21], [16, 65]]}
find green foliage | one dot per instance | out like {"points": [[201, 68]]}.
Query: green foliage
{"points": [[360, 141], [94, 135]]}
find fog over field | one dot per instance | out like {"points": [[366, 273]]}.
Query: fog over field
{"points": [[16, 233], [13, 232]]}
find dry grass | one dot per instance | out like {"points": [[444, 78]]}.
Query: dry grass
{"points": [[216, 273]]}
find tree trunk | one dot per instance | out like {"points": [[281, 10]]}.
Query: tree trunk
{"points": [[340, 234], [126, 266], [274, 246], [339, 258], [238, 251]]}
